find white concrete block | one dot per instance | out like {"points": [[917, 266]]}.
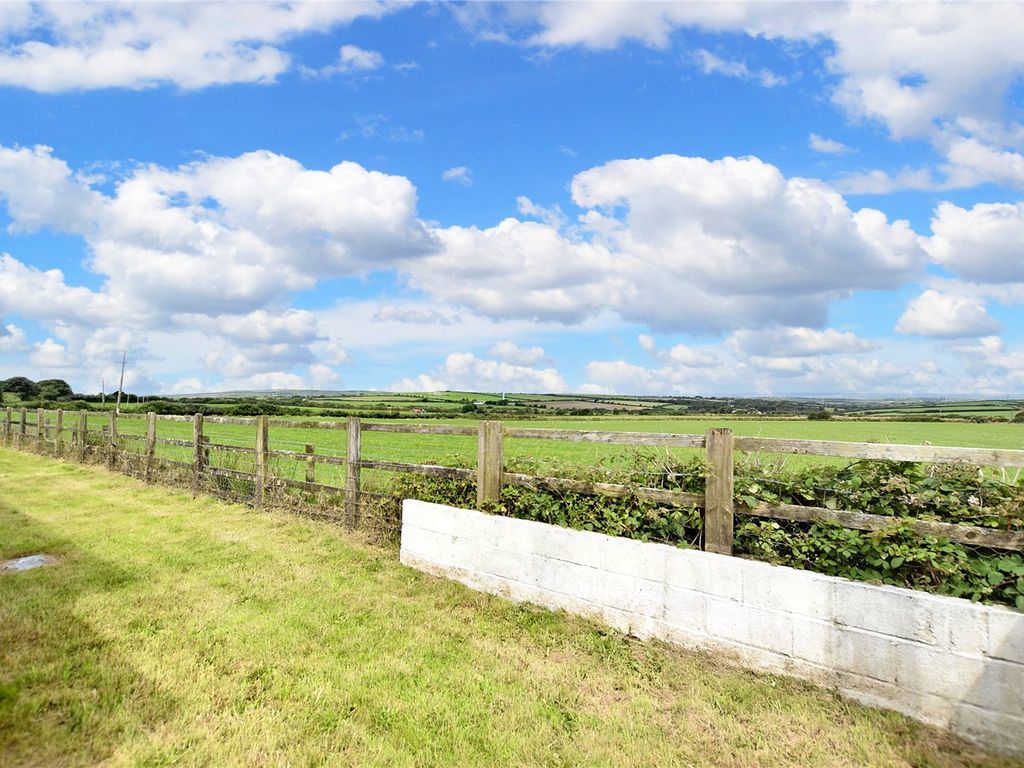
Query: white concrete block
{"points": [[813, 640], [431, 545], [996, 730], [910, 615], [1005, 634], [633, 558], [936, 671], [717, 575], [999, 687], [788, 589], [685, 609], [865, 653]]}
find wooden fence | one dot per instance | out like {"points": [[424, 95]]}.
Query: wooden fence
{"points": [[70, 437]]}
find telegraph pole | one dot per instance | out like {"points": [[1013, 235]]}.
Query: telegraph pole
{"points": [[120, 385], [103, 391]]}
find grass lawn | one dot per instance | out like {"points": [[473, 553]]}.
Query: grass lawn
{"points": [[192, 632]]}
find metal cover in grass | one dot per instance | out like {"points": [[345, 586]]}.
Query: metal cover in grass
{"points": [[26, 563]]}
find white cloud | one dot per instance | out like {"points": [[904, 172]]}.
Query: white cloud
{"points": [[353, 58], [460, 174], [12, 339], [798, 342], [466, 371], [380, 128], [225, 235], [49, 354], [985, 243], [323, 377], [924, 70], [512, 353], [946, 316], [826, 146], [421, 383], [186, 386], [709, 63], [52, 47], [877, 182]]}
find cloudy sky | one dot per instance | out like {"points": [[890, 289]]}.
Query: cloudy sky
{"points": [[682, 198]]}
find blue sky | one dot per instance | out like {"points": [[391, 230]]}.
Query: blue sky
{"points": [[686, 198]]}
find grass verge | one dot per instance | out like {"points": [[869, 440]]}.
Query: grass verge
{"points": [[191, 632]]}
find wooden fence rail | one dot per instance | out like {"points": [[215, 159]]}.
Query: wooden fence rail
{"points": [[719, 444]]}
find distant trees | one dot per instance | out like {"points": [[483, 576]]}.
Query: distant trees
{"points": [[26, 389], [54, 389]]}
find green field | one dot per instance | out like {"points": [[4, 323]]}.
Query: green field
{"points": [[180, 631], [412, 448]]}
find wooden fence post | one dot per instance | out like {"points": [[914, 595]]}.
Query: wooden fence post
{"points": [[40, 428], [197, 451], [310, 464], [150, 444], [718, 492], [112, 440], [83, 433], [58, 433], [489, 459], [352, 458], [7, 426], [262, 440], [22, 426]]}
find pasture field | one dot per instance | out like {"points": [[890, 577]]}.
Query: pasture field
{"points": [[413, 448], [187, 631]]}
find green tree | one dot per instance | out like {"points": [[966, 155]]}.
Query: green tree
{"points": [[24, 388], [54, 389]]}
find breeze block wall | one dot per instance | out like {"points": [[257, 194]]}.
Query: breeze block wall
{"points": [[942, 660]]}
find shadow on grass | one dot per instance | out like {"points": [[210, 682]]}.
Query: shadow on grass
{"points": [[67, 694]]}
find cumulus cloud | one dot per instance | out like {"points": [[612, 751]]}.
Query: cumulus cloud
{"points": [[946, 316], [52, 47], [225, 234], [352, 58], [984, 243]]}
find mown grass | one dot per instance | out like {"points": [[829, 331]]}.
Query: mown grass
{"points": [[191, 632]]}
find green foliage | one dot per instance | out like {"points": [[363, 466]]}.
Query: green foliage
{"points": [[54, 389], [26, 389]]}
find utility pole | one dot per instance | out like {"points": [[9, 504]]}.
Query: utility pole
{"points": [[120, 385], [103, 391]]}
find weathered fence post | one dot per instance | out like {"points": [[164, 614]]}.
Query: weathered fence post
{"points": [[489, 458], [310, 464], [83, 433], [7, 426], [40, 428], [197, 451], [22, 426], [352, 458], [718, 492], [58, 433], [262, 435], [112, 440], [150, 444]]}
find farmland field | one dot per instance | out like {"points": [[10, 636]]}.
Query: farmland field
{"points": [[412, 448], [186, 631]]}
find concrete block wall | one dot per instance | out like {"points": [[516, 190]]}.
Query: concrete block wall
{"points": [[942, 660]]}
